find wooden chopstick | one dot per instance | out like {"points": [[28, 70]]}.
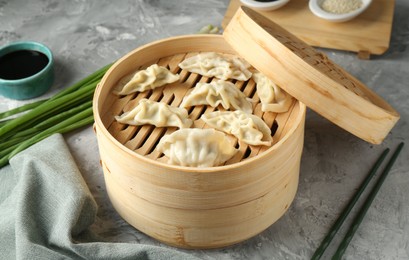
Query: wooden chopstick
{"points": [[334, 229]]}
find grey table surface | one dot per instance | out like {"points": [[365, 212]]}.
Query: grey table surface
{"points": [[84, 35]]}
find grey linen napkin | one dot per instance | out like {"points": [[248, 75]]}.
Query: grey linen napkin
{"points": [[46, 210]]}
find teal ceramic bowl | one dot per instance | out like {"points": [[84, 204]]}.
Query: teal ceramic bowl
{"points": [[26, 70]]}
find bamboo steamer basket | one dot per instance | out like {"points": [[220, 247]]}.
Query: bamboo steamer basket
{"points": [[187, 206], [192, 207]]}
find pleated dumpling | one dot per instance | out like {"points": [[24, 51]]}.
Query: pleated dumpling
{"points": [[272, 97], [246, 127], [194, 147], [212, 64], [217, 93], [155, 113], [152, 77]]}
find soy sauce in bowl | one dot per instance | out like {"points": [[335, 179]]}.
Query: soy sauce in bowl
{"points": [[22, 64], [26, 70]]}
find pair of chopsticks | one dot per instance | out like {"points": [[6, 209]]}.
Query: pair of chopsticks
{"points": [[360, 215]]}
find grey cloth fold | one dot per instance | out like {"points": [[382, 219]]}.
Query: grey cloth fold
{"points": [[46, 211]]}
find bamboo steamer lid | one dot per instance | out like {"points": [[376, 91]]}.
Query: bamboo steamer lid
{"points": [[310, 76]]}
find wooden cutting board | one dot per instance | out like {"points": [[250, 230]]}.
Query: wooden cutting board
{"points": [[367, 34]]}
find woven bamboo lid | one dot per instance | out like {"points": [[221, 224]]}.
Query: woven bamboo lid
{"points": [[310, 76]]}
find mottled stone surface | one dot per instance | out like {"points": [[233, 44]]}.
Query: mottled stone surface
{"points": [[85, 35]]}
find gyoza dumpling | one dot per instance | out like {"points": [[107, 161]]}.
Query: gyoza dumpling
{"points": [[217, 93], [156, 113], [246, 127], [152, 77], [196, 147], [273, 99], [212, 64]]}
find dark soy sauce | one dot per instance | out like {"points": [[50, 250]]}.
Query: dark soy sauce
{"points": [[22, 64]]}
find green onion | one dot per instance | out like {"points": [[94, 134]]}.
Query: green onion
{"points": [[48, 107], [3, 122], [20, 109], [79, 120], [96, 76], [8, 150], [66, 111], [54, 119], [93, 78], [55, 129], [10, 142]]}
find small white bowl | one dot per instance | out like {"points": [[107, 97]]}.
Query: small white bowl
{"points": [[264, 6], [315, 7]]}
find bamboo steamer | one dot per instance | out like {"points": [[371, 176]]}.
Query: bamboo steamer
{"points": [[186, 206]]}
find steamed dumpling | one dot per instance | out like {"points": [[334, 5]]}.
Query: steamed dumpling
{"points": [[155, 113], [196, 147], [217, 93], [246, 127], [212, 64], [273, 99], [152, 77]]}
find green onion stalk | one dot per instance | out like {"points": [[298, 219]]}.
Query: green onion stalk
{"points": [[68, 110]]}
